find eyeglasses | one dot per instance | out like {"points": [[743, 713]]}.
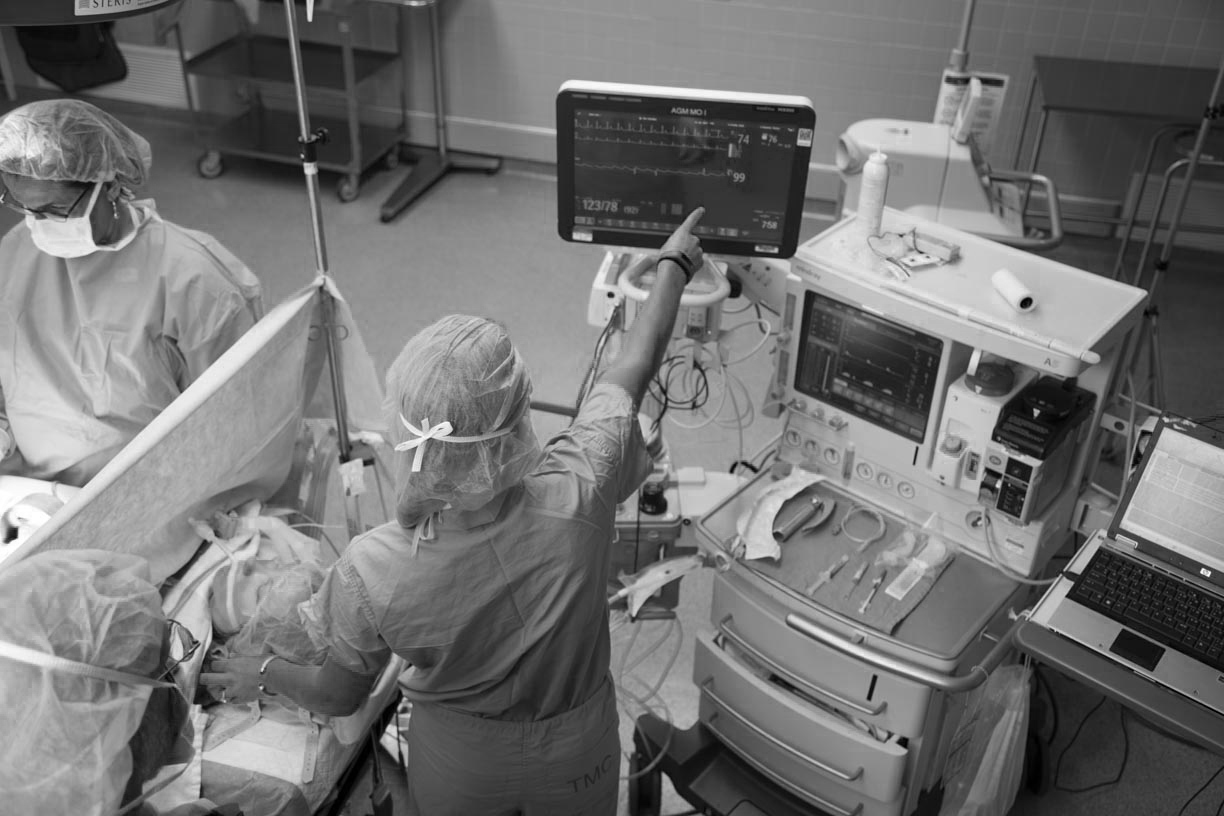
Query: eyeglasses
{"points": [[51, 215], [183, 647]]}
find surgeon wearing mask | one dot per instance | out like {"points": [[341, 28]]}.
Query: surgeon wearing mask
{"points": [[492, 582], [107, 311]]}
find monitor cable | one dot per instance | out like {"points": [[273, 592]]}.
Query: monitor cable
{"points": [[1125, 753]]}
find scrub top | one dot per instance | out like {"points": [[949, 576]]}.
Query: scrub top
{"points": [[93, 348], [504, 613]]}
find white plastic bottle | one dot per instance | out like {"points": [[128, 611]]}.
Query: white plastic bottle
{"points": [[871, 194]]}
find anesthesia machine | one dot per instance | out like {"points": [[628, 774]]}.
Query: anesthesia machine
{"points": [[940, 398]]}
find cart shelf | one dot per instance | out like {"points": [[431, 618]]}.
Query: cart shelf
{"points": [[333, 71], [261, 58]]}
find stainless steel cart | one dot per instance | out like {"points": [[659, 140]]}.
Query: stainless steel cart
{"points": [[334, 71]]}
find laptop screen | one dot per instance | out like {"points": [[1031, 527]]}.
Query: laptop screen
{"points": [[1175, 500]]}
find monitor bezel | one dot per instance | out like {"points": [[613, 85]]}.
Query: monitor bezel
{"points": [[793, 110]]}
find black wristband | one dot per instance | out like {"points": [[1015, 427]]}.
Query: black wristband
{"points": [[679, 259]]}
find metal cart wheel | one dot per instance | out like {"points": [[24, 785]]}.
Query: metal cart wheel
{"points": [[210, 165], [645, 789], [348, 188]]}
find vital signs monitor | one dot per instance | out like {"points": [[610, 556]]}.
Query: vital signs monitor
{"points": [[634, 160]]}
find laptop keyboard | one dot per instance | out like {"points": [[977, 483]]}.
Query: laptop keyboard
{"points": [[1173, 612]]}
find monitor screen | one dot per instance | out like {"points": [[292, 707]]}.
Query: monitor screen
{"points": [[634, 160], [1176, 499], [870, 367]]}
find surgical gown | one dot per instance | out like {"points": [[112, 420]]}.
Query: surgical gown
{"points": [[93, 348], [503, 617]]}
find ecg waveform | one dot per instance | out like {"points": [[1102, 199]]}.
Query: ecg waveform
{"points": [[655, 171], [657, 135]]}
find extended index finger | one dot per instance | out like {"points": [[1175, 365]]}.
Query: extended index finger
{"points": [[692, 219], [214, 678]]}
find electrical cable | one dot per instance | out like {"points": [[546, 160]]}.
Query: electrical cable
{"points": [[588, 379], [770, 448], [739, 418], [708, 364], [662, 390], [767, 332], [739, 426], [1131, 440], [626, 695], [1125, 753], [1210, 420], [1202, 788], [704, 392], [671, 730], [620, 672], [322, 528], [676, 627]]}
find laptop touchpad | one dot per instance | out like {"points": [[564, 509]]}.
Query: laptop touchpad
{"points": [[1141, 652]]}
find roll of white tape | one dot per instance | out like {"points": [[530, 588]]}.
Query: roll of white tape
{"points": [[1017, 295]]}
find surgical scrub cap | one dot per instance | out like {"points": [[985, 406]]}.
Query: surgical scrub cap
{"points": [[65, 746], [463, 371], [72, 140]]}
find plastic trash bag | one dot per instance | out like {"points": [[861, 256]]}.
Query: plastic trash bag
{"points": [[986, 758]]}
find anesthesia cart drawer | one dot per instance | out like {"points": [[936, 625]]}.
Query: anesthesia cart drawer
{"points": [[815, 751], [757, 625]]}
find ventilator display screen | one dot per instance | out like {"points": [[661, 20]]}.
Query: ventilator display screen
{"points": [[868, 366], [633, 161]]}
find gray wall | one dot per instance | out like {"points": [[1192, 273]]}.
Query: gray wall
{"points": [[855, 59]]}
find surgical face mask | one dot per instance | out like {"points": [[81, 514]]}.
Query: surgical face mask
{"points": [[71, 238]]}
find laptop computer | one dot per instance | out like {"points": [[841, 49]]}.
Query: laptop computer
{"points": [[1148, 592]]}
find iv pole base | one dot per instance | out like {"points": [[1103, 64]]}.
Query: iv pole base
{"points": [[429, 169]]}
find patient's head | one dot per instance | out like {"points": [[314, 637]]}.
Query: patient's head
{"points": [[237, 588], [254, 608]]}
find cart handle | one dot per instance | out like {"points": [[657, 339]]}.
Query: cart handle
{"points": [[1054, 212], [743, 645], [778, 779], [952, 683]]}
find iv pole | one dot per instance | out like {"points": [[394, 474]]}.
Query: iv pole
{"points": [[960, 54], [309, 142]]}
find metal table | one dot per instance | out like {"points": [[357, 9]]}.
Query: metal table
{"points": [[1171, 712], [1163, 93]]}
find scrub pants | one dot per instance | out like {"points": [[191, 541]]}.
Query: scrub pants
{"points": [[568, 765]]}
